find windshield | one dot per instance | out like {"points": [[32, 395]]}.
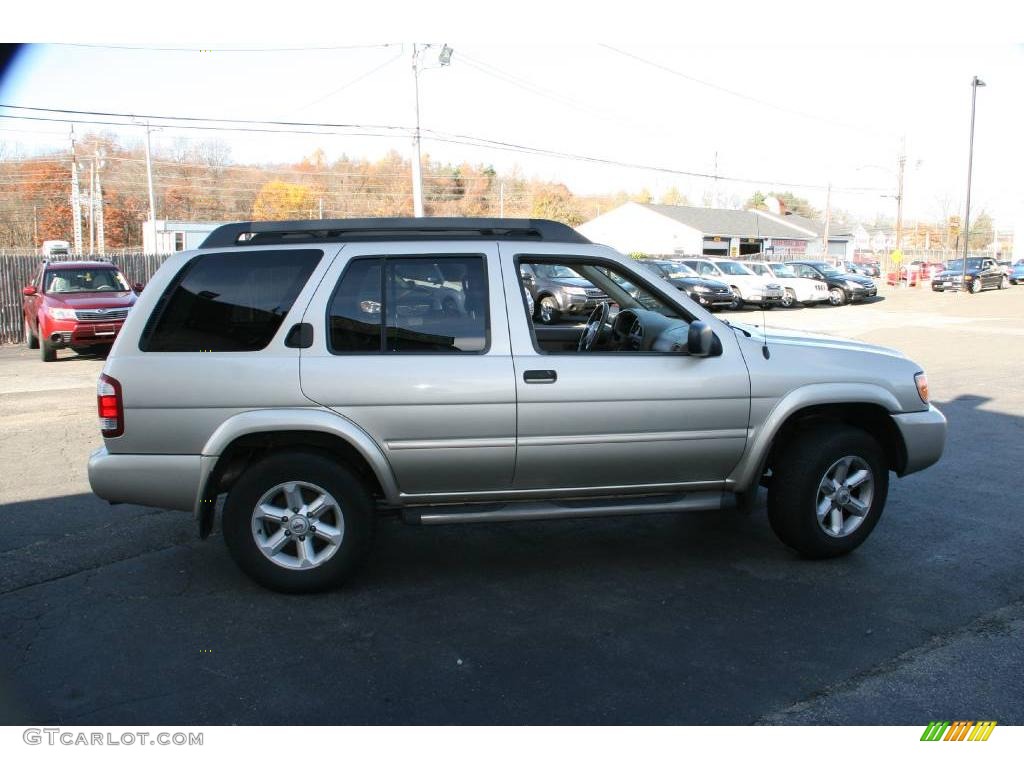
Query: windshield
{"points": [[553, 271], [782, 270], [91, 280], [672, 269], [732, 268], [958, 264]]}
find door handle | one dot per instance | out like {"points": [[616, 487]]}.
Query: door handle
{"points": [[540, 377]]}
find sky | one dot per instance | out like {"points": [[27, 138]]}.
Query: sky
{"points": [[775, 112]]}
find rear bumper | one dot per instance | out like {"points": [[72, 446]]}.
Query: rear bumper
{"points": [[924, 436], [167, 482]]}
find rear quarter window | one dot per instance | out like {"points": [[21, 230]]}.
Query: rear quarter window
{"points": [[228, 302]]}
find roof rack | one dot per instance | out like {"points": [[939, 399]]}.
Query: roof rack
{"points": [[363, 230]]}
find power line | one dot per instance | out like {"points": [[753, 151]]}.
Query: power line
{"points": [[302, 49], [744, 96], [443, 137]]}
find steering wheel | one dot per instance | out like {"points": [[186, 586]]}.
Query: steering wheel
{"points": [[592, 330]]}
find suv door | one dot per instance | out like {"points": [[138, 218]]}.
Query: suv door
{"points": [[411, 344], [596, 421]]}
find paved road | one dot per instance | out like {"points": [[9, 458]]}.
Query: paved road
{"points": [[118, 615]]}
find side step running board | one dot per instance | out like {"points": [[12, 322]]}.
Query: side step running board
{"points": [[569, 508]]}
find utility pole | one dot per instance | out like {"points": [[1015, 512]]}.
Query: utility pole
{"points": [[152, 198], [975, 84], [92, 208], [101, 242], [828, 222], [76, 201], [899, 195], [444, 59], [714, 184], [501, 200], [321, 207], [417, 173]]}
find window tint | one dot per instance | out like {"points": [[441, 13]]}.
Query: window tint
{"points": [[228, 302], [430, 304]]}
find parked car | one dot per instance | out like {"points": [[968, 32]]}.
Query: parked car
{"points": [[76, 304], [1017, 274], [795, 289], [982, 273], [842, 287], [860, 268], [478, 415], [558, 291], [708, 293], [747, 288]]}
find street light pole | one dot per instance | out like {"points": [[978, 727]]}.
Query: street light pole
{"points": [[975, 84], [152, 203]]}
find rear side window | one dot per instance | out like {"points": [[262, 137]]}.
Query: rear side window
{"points": [[410, 304], [228, 302]]}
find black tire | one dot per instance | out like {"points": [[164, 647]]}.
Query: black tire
{"points": [[838, 297], [788, 299], [548, 311], [355, 505], [737, 299], [46, 353], [976, 286], [1004, 283], [31, 340], [793, 494]]}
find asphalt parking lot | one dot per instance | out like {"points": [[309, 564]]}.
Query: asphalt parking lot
{"points": [[117, 614]]}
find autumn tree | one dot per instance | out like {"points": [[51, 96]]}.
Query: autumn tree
{"points": [[673, 196], [282, 200]]}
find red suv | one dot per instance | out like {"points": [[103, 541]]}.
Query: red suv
{"points": [[76, 304]]}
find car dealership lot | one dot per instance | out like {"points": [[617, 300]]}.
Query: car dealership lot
{"points": [[118, 614]]}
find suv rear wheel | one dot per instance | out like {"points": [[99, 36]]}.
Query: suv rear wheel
{"points": [[298, 522], [828, 490]]}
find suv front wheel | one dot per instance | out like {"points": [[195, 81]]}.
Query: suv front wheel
{"points": [[298, 522], [828, 490]]}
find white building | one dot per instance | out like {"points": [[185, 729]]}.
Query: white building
{"points": [[173, 236], [671, 230]]}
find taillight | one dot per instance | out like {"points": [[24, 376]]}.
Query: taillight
{"points": [[110, 406]]}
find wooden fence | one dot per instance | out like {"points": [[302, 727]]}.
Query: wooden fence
{"points": [[19, 268]]}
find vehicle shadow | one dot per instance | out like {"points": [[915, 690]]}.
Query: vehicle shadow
{"points": [[688, 618]]}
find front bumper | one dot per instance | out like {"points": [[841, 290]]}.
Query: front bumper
{"points": [[151, 480], [77, 333], [713, 299], [924, 436], [862, 292]]}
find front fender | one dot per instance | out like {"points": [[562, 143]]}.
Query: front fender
{"points": [[761, 435], [298, 420]]}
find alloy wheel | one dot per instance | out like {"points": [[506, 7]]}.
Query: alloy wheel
{"points": [[298, 525], [844, 496]]}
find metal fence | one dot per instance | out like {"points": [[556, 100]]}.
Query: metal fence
{"points": [[18, 268]]}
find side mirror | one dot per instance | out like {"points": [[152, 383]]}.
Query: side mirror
{"points": [[701, 340], [29, 290], [137, 287]]}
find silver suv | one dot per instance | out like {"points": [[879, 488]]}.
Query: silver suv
{"points": [[303, 378]]}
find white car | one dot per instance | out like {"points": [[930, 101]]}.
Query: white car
{"points": [[747, 287], [797, 289]]}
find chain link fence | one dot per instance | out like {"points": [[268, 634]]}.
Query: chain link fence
{"points": [[19, 268]]}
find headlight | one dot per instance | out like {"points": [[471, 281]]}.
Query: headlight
{"points": [[921, 379], [853, 284], [575, 291], [59, 313], [969, 277]]}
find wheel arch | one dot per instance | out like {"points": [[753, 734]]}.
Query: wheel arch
{"points": [[865, 407], [249, 436]]}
